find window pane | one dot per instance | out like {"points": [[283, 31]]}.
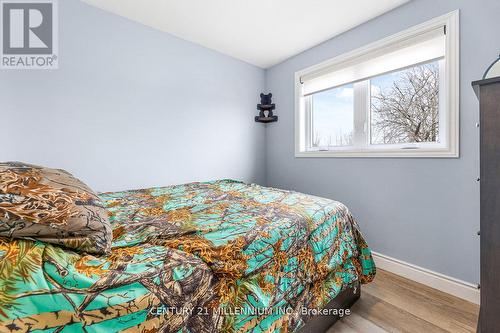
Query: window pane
{"points": [[333, 117], [405, 105]]}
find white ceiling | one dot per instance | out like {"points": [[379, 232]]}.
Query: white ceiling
{"points": [[260, 32]]}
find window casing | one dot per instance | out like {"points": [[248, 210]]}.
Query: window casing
{"points": [[345, 107]]}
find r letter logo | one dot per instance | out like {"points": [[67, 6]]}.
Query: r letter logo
{"points": [[29, 34]]}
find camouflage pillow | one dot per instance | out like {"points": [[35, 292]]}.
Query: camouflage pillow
{"points": [[52, 206]]}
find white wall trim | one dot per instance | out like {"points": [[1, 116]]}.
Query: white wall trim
{"points": [[447, 284]]}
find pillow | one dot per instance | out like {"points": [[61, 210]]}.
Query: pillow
{"points": [[52, 206]]}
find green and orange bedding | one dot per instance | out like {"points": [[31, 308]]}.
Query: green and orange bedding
{"points": [[219, 256]]}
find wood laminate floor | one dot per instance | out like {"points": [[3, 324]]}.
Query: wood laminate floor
{"points": [[394, 304]]}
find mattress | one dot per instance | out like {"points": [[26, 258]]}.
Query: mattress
{"points": [[221, 256]]}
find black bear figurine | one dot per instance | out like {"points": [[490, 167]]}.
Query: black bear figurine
{"points": [[265, 99], [266, 105]]}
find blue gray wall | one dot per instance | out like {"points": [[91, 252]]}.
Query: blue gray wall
{"points": [[133, 107], [423, 211]]}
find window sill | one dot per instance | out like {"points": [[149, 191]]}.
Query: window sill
{"points": [[399, 153]]}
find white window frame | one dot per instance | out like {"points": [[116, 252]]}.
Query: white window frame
{"points": [[448, 113]]}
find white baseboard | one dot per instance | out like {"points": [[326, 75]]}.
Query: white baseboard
{"points": [[455, 287]]}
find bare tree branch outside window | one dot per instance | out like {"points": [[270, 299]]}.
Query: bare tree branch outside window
{"points": [[407, 111]]}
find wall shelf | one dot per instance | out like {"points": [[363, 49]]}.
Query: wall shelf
{"points": [[266, 108]]}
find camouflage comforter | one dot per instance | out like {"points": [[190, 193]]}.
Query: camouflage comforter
{"points": [[219, 256]]}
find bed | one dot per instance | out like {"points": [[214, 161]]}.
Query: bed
{"points": [[221, 256]]}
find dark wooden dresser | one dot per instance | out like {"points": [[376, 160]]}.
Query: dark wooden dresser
{"points": [[488, 92]]}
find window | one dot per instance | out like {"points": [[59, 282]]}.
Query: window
{"points": [[395, 97], [333, 117], [404, 105]]}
